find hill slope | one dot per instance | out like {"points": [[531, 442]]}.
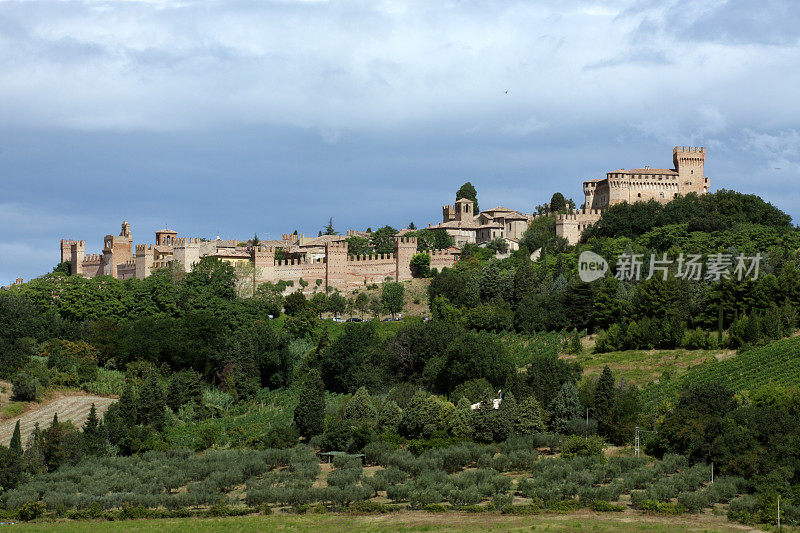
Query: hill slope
{"points": [[777, 363]]}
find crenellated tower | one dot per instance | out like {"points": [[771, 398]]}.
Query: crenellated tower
{"points": [[689, 162]]}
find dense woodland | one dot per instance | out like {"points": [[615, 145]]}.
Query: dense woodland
{"points": [[193, 364]]}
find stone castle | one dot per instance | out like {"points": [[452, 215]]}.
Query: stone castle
{"points": [[324, 258], [637, 185]]}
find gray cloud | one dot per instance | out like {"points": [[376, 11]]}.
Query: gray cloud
{"points": [[372, 111]]}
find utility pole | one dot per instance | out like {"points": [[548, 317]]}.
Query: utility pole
{"points": [[587, 421], [636, 442], [712, 472], [779, 512]]}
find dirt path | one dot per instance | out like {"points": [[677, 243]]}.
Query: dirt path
{"points": [[73, 407]]}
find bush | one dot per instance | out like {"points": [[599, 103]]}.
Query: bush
{"points": [[576, 446], [501, 500], [31, 510], [435, 508], [25, 387], [602, 506], [529, 509]]}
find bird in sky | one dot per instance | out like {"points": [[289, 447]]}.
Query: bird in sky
{"points": [[778, 168], [506, 91]]}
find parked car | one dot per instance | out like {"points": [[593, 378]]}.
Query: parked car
{"points": [[354, 319]]}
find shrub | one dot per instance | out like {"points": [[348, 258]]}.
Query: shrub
{"points": [[435, 508], [266, 509], [529, 509], [501, 500], [576, 446], [602, 506], [31, 510], [25, 387]]}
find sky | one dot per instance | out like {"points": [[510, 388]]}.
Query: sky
{"points": [[238, 117]]}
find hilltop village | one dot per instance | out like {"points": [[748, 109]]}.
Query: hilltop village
{"points": [[330, 259]]}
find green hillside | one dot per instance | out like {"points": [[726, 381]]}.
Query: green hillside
{"points": [[776, 364]]}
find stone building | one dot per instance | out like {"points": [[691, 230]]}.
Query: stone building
{"points": [[467, 227], [325, 259], [637, 185]]}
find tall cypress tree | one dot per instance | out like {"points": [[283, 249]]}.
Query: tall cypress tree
{"points": [[16, 440], [245, 370], [152, 402], [566, 406], [604, 396], [309, 415], [93, 440]]}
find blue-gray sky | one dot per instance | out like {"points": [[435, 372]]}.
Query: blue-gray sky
{"points": [[234, 117]]}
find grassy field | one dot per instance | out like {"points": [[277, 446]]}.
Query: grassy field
{"points": [[73, 406], [643, 366], [408, 521]]}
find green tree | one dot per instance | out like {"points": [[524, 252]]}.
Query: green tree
{"points": [[411, 226], [499, 245], [566, 406], [362, 303], [245, 369], [10, 468], [152, 402], [468, 191], [185, 387], [460, 426], [360, 409], [309, 415], [420, 265], [530, 418], [94, 441], [357, 245], [604, 397], [383, 240], [558, 204], [328, 229], [421, 417], [393, 297], [16, 440], [389, 417], [319, 303], [337, 304], [295, 303]]}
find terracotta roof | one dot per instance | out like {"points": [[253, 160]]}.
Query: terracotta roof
{"points": [[167, 231], [498, 208], [639, 171], [457, 224], [595, 180], [231, 253], [323, 239]]}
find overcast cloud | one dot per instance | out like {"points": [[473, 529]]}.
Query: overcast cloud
{"points": [[235, 117]]}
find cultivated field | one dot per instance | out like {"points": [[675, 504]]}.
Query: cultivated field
{"points": [[409, 521], [69, 406]]}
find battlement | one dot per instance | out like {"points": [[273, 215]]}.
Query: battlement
{"points": [[689, 150], [183, 241], [371, 257], [266, 248], [92, 259], [142, 248], [407, 240], [579, 214], [339, 245]]}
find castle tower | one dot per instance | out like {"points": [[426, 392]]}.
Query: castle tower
{"points": [[117, 250], [689, 162], [66, 250], [77, 255], [404, 250], [263, 258], [187, 252], [145, 256], [336, 264]]}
